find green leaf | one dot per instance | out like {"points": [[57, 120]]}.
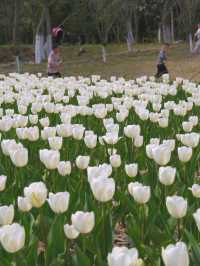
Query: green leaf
{"points": [[56, 240]]}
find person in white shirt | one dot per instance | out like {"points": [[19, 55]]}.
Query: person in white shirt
{"points": [[197, 37]]}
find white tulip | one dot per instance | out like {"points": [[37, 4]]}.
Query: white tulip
{"points": [[12, 237], [196, 216], [171, 143], [187, 126], [132, 131], [33, 119], [3, 180], [149, 150], [19, 157], [83, 221], [161, 154], [48, 132], [65, 118], [104, 170], [138, 141], [44, 122], [55, 143], [59, 202], [184, 154], [194, 120], [7, 145], [111, 138], [64, 130], [163, 122], [115, 160], [21, 133], [36, 192], [78, 132], [190, 140], [100, 112], [70, 231], [122, 256], [82, 162], [103, 188], [24, 204], [176, 206], [140, 193], [50, 158], [175, 255], [167, 175], [90, 141], [195, 190], [33, 133], [64, 168], [131, 169], [6, 214]]}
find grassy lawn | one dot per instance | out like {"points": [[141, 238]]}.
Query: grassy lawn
{"points": [[141, 62]]}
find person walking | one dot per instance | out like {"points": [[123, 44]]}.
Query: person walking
{"points": [[162, 58], [54, 62]]}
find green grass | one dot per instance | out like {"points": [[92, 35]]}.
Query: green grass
{"points": [[141, 62]]}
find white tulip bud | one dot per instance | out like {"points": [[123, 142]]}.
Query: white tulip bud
{"points": [[64, 168], [70, 231], [59, 202], [6, 214], [24, 204], [115, 160], [176, 206], [184, 154], [131, 169], [195, 190], [167, 175], [83, 221], [12, 237], [103, 188], [122, 256], [82, 162], [36, 193], [140, 193], [175, 255]]}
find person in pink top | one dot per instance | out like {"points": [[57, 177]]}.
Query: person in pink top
{"points": [[54, 62]]}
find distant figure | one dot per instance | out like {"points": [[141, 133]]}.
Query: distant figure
{"points": [[81, 45], [54, 62], [162, 58], [197, 38], [57, 34]]}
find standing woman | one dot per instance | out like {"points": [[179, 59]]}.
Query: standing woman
{"points": [[54, 62]]}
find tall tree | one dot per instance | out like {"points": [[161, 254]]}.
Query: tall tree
{"points": [[16, 27], [43, 43]]}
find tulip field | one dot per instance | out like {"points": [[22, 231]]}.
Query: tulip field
{"points": [[83, 157]]}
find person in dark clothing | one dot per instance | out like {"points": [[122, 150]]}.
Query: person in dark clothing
{"points": [[162, 58]]}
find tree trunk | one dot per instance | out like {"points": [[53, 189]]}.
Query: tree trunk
{"points": [[16, 37], [190, 42], [43, 42], [48, 43], [172, 25], [130, 38], [166, 33], [136, 24], [39, 40], [159, 34]]}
